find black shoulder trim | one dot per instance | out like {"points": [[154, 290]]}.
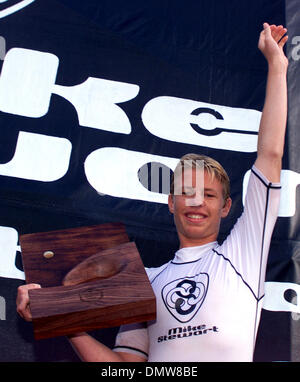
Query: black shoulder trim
{"points": [[268, 185]]}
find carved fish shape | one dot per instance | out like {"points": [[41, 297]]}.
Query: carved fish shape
{"points": [[94, 267]]}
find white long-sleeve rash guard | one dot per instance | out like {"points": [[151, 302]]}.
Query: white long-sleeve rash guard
{"points": [[209, 298]]}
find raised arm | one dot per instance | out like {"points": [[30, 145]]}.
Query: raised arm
{"points": [[272, 128]]}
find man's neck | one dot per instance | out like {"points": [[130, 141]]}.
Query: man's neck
{"points": [[196, 243]]}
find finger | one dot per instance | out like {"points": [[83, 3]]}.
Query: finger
{"points": [[282, 33], [278, 33], [267, 30], [23, 289], [33, 286], [25, 313], [283, 41], [263, 33], [22, 300], [23, 309]]}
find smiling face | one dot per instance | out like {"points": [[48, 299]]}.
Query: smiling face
{"points": [[198, 219]]}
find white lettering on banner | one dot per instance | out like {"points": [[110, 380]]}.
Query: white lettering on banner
{"points": [[28, 80], [14, 8], [114, 171], [39, 157], [94, 101], [289, 181], [275, 300], [8, 250], [295, 316], [199, 123], [27, 83], [126, 164], [2, 308], [2, 47], [296, 49]]}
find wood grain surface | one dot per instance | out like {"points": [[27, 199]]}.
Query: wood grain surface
{"points": [[96, 279], [70, 247]]}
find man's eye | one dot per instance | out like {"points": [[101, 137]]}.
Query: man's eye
{"points": [[189, 192]]}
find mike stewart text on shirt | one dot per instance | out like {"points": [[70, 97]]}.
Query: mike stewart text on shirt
{"points": [[186, 331]]}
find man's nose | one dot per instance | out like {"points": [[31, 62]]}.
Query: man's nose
{"points": [[196, 200]]}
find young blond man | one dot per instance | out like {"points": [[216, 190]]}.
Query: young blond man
{"points": [[209, 296]]}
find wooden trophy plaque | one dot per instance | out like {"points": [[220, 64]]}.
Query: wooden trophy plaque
{"points": [[91, 278]]}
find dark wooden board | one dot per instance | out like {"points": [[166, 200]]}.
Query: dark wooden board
{"points": [[124, 296]]}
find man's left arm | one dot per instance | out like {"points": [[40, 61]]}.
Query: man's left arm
{"points": [[270, 146]]}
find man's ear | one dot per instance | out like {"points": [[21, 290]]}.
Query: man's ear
{"points": [[226, 208], [171, 203]]}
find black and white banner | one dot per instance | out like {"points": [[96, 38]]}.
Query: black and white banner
{"points": [[99, 99]]}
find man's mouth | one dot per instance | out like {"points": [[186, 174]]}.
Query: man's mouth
{"points": [[195, 217]]}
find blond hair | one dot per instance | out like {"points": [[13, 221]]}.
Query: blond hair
{"points": [[213, 167]]}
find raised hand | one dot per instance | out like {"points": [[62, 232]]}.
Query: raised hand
{"points": [[271, 42]]}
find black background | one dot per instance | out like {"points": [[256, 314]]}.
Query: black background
{"points": [[200, 50]]}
